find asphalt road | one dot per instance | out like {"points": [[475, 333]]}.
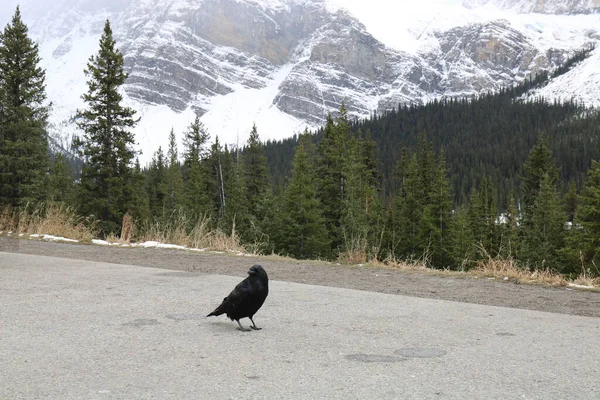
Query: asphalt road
{"points": [[72, 329]]}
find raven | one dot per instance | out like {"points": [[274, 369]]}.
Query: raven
{"points": [[246, 298]]}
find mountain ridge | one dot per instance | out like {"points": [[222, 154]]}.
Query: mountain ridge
{"points": [[285, 64]]}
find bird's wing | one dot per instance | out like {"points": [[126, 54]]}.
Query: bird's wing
{"points": [[242, 292]]}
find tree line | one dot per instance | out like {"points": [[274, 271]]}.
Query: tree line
{"points": [[389, 187]]}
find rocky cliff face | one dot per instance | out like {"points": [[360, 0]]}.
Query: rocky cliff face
{"points": [[185, 56]]}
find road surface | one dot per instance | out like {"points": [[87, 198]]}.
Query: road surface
{"points": [[73, 329]]}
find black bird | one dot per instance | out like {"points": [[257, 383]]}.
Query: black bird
{"points": [[246, 298]]}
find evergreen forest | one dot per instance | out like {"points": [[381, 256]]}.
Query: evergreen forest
{"points": [[450, 182]]}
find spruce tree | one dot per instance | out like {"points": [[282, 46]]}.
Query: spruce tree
{"points": [[545, 235], [360, 206], [107, 145], [61, 181], [463, 243], [301, 232], [195, 179], [510, 237], [136, 195], [217, 164], [24, 157], [570, 202], [587, 239], [410, 206], [236, 195], [436, 224], [538, 164], [174, 179], [257, 178], [331, 169], [157, 187]]}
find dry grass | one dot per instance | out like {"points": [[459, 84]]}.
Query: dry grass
{"points": [[508, 269], [353, 256], [51, 219], [586, 277], [416, 264], [358, 251], [175, 231], [202, 237]]}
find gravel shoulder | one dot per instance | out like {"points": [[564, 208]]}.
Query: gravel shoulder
{"points": [[407, 283]]}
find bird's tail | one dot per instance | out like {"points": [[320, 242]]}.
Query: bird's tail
{"points": [[219, 310]]}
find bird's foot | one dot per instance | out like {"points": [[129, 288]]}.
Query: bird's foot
{"points": [[256, 328]]}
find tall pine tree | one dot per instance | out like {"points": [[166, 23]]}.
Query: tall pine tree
{"points": [[107, 145], [24, 157], [587, 239], [61, 181], [538, 164], [156, 182], [436, 224], [544, 236], [257, 178], [300, 226], [174, 179], [195, 189]]}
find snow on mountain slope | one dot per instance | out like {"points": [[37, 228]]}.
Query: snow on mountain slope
{"points": [[284, 64], [579, 84], [537, 6]]}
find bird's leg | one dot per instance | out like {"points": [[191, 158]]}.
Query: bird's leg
{"points": [[241, 328], [256, 328]]}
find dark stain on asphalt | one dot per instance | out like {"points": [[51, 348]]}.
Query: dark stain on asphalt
{"points": [[420, 352], [373, 358], [185, 317], [142, 322]]}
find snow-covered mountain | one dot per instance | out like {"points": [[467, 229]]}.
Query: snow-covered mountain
{"points": [[285, 64]]}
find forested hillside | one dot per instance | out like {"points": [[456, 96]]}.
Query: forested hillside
{"points": [[485, 137]]}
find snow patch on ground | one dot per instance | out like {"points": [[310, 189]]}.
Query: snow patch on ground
{"points": [[574, 285], [103, 242], [52, 238]]}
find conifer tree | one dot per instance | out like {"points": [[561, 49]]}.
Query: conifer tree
{"points": [[463, 243], [157, 186], [545, 235], [332, 158], [107, 145], [409, 211], [136, 195], [24, 157], [588, 217], [570, 202], [301, 232], [61, 181], [215, 182], [481, 216], [510, 240], [427, 168], [257, 179], [195, 181], [237, 209], [174, 179], [436, 224], [538, 164], [361, 214]]}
